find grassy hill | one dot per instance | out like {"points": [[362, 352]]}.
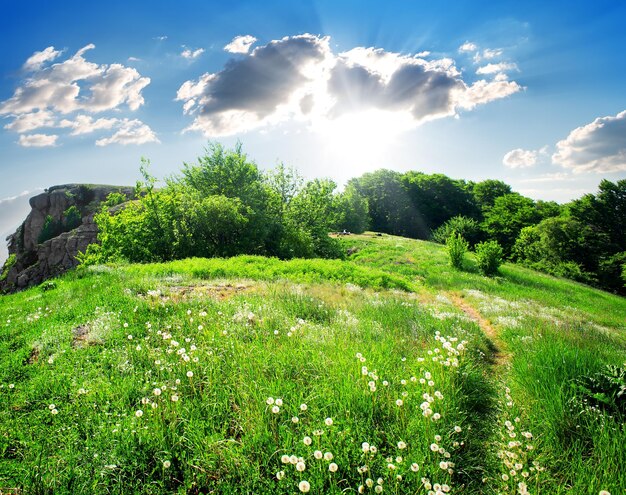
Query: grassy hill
{"points": [[386, 373]]}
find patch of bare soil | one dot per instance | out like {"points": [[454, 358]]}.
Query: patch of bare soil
{"points": [[499, 357], [80, 336], [220, 292]]}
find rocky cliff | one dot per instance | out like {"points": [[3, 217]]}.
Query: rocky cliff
{"points": [[58, 227]]}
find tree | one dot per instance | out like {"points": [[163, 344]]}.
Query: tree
{"points": [[388, 203], [351, 210], [486, 192], [508, 216], [436, 198]]}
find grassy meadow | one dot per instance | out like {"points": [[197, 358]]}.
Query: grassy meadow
{"points": [[389, 372]]}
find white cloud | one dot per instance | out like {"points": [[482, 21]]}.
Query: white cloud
{"points": [[37, 59], [130, 132], [58, 87], [84, 124], [37, 140], [496, 68], [300, 78], [492, 53], [596, 147], [240, 44], [468, 46], [160, 38], [191, 54], [67, 87], [31, 121], [520, 158]]}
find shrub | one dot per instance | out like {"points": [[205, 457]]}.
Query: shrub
{"points": [[489, 256], [605, 389], [71, 218], [51, 228], [467, 227], [457, 247], [8, 264]]}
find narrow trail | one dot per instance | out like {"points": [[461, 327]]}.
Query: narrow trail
{"points": [[499, 357]]}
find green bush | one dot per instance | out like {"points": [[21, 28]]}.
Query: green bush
{"points": [[72, 218], [467, 227], [489, 256], [51, 228], [457, 247], [8, 264]]}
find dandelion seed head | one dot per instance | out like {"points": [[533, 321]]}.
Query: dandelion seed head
{"points": [[304, 486]]}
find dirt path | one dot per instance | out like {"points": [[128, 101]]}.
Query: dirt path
{"points": [[499, 357]]}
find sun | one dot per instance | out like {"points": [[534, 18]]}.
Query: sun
{"points": [[362, 140]]}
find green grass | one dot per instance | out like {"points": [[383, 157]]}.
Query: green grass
{"points": [[302, 331]]}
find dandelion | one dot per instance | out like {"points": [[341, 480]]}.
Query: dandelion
{"points": [[295, 419], [166, 464], [373, 449], [284, 459], [174, 398], [303, 407], [436, 417], [434, 447], [130, 337], [437, 438], [51, 406], [604, 492], [54, 411], [328, 456], [304, 486], [189, 374], [369, 482], [443, 465], [157, 391], [332, 467], [269, 401], [280, 475], [505, 477], [307, 440], [318, 454], [279, 402], [139, 413], [399, 402], [401, 445], [415, 467], [378, 489], [293, 460], [300, 466], [365, 447], [275, 409], [457, 429], [328, 421]]}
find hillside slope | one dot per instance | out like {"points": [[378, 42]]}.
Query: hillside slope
{"points": [[389, 371]]}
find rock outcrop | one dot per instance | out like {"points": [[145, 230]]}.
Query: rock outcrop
{"points": [[59, 226]]}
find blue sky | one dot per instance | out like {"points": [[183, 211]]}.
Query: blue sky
{"points": [[528, 92]]}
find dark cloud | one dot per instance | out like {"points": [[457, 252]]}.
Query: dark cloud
{"points": [[300, 77]]}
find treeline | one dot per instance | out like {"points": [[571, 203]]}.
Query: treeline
{"points": [[224, 205], [584, 240]]}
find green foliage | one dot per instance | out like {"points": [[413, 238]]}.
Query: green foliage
{"points": [[352, 211], [467, 227], [71, 218], [486, 192], [388, 202], [51, 228], [114, 199], [8, 264], [457, 247], [489, 257], [508, 216], [605, 389], [437, 198]]}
